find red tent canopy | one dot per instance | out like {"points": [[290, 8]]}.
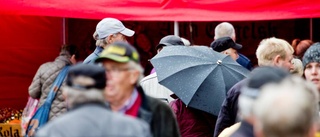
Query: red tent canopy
{"points": [[166, 10], [28, 41]]}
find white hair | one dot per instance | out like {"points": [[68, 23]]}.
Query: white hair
{"points": [[137, 66], [287, 109], [77, 96], [224, 29]]}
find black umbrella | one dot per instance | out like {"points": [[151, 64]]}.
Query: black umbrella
{"points": [[199, 76]]}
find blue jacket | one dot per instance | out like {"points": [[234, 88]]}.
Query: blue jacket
{"points": [[95, 54], [244, 61]]}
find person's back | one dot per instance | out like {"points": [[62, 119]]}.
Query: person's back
{"points": [[82, 122], [154, 89], [45, 76], [244, 61], [193, 122]]}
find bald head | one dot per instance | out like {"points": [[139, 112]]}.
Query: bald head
{"points": [[224, 29]]}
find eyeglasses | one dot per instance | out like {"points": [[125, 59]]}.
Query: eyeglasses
{"points": [[117, 70]]}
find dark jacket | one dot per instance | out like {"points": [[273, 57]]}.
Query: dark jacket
{"points": [[245, 130], [229, 110], [193, 122], [159, 115]]}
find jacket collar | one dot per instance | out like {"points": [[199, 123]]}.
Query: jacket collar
{"points": [[144, 111], [63, 59]]}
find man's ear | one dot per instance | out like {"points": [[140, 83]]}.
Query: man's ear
{"points": [[225, 52], [276, 60], [134, 76], [73, 59], [108, 39]]}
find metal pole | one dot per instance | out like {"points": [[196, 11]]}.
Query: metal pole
{"points": [[311, 29], [176, 28]]}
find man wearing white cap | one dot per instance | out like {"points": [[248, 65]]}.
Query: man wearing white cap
{"points": [[108, 30]]}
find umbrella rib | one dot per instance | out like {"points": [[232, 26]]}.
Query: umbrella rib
{"points": [[234, 68], [201, 84], [189, 67], [202, 58]]}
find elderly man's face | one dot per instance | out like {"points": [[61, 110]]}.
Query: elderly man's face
{"points": [[119, 80]]}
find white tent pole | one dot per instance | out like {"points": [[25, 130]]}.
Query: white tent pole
{"points": [[64, 30], [176, 28], [311, 29]]}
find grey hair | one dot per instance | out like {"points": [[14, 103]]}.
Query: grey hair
{"points": [[224, 29], [99, 42], [137, 66], [104, 42], [76, 96], [287, 109]]}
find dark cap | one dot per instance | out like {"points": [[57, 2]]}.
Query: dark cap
{"points": [[86, 76], [224, 43], [170, 40], [119, 52], [261, 76]]}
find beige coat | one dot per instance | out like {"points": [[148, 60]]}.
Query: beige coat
{"points": [[42, 82]]}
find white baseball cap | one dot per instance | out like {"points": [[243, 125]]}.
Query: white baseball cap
{"points": [[109, 26]]}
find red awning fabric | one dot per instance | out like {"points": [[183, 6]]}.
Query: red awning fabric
{"points": [[166, 10], [26, 42]]}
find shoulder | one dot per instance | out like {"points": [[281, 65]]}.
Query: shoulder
{"points": [[149, 77], [157, 105], [235, 89], [243, 57]]}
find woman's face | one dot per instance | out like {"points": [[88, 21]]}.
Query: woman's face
{"points": [[312, 73]]}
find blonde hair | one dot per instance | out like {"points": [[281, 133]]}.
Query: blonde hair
{"points": [[269, 48]]}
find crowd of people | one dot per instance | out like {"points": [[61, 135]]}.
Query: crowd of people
{"points": [[108, 95]]}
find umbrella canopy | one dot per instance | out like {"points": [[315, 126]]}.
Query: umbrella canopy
{"points": [[199, 76]]}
